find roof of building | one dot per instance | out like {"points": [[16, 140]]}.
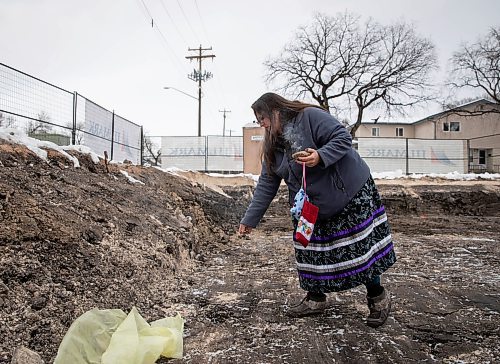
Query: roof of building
{"points": [[407, 122], [456, 108], [388, 122]]}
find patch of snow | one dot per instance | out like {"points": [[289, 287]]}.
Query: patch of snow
{"points": [[452, 175], [84, 150], [388, 175], [131, 179], [199, 292], [479, 239], [172, 170], [19, 137]]}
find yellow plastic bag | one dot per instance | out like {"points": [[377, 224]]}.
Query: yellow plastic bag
{"points": [[111, 336], [89, 336], [136, 342]]}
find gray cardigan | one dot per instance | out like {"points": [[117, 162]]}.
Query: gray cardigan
{"points": [[330, 185]]}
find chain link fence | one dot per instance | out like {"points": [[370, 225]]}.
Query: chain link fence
{"points": [[48, 112]]}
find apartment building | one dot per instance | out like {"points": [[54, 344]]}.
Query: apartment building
{"points": [[477, 122]]}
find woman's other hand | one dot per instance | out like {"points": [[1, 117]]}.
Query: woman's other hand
{"points": [[244, 229], [312, 159]]}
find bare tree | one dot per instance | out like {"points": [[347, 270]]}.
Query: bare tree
{"points": [[152, 152], [399, 74], [476, 66], [7, 122], [79, 131], [43, 125], [358, 65], [10, 121], [80, 126], [319, 61]]}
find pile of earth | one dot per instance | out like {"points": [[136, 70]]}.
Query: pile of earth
{"points": [[72, 239], [119, 235]]}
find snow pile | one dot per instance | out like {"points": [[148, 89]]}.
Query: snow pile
{"points": [[36, 146], [245, 175], [131, 179], [452, 176]]}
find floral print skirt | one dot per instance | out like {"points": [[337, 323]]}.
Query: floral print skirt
{"points": [[348, 249]]}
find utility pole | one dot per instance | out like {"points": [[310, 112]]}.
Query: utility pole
{"points": [[224, 124], [198, 76]]}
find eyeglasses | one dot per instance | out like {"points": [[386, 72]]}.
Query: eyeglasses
{"points": [[261, 121]]}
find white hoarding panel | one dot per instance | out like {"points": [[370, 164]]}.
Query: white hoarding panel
{"points": [[189, 163], [437, 156], [383, 154], [221, 163], [98, 126], [98, 145], [183, 152], [414, 155], [126, 141], [224, 153], [228, 146], [211, 153], [99, 130]]}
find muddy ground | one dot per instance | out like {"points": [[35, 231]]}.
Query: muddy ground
{"points": [[76, 238]]}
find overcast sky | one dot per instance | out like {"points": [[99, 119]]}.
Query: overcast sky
{"points": [[109, 52]]}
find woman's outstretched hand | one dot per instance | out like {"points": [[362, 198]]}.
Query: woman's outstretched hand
{"points": [[312, 159], [244, 229]]}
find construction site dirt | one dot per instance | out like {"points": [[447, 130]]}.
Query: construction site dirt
{"points": [[73, 239]]}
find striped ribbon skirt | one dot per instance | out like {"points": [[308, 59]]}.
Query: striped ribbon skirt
{"points": [[348, 249]]}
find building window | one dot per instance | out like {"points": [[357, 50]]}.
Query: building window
{"points": [[482, 156], [375, 132], [451, 126], [454, 126], [399, 132]]}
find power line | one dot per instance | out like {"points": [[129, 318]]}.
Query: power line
{"points": [[219, 90], [201, 21], [220, 93], [147, 10], [173, 22], [188, 22], [182, 67], [171, 52]]}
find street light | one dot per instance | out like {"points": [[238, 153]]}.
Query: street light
{"points": [[193, 97], [182, 92]]}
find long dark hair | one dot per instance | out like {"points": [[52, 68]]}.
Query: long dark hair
{"points": [[267, 105]]}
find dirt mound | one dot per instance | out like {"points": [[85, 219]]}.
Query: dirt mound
{"points": [[77, 238], [117, 236]]}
